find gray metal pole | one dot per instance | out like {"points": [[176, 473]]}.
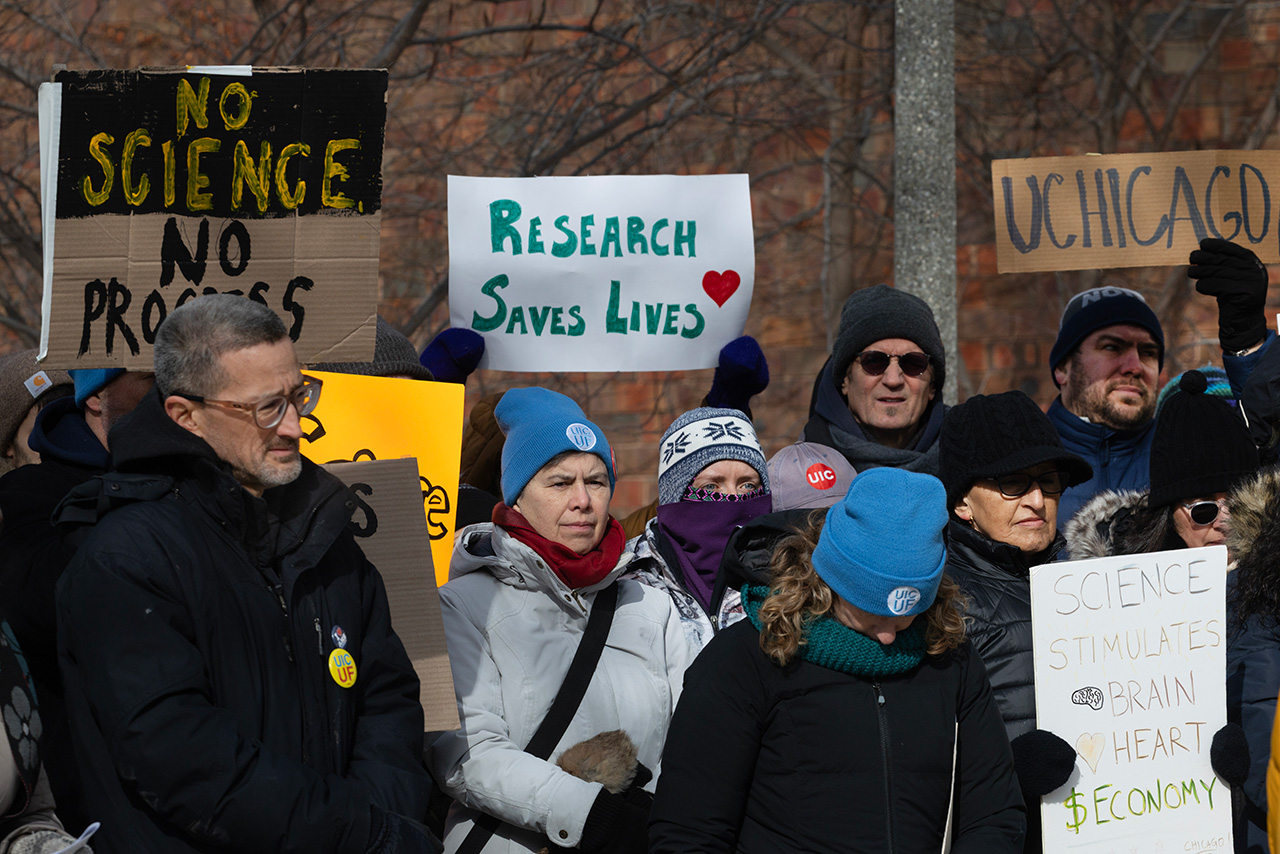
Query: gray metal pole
{"points": [[924, 163]]}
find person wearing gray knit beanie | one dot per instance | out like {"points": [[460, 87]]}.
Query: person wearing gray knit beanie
{"points": [[393, 356], [876, 400]]}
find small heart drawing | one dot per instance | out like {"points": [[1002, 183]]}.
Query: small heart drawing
{"points": [[720, 286], [1089, 746]]}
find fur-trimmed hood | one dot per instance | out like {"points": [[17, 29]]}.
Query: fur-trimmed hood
{"points": [[1102, 522], [1255, 519]]}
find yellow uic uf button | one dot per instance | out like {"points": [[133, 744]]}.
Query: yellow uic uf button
{"points": [[342, 667]]}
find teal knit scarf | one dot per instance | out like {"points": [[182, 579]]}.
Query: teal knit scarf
{"points": [[831, 644]]}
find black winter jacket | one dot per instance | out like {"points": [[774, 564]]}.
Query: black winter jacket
{"points": [[195, 631], [996, 579], [762, 758], [33, 555]]}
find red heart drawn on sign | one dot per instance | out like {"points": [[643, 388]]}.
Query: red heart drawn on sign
{"points": [[720, 286]]}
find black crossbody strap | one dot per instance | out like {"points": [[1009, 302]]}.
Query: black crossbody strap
{"points": [[563, 707]]}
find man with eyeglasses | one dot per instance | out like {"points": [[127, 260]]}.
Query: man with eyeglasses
{"points": [[233, 679], [876, 400]]}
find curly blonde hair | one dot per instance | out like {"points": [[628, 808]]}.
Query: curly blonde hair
{"points": [[798, 596]]}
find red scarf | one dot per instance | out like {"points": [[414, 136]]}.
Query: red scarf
{"points": [[573, 569]]}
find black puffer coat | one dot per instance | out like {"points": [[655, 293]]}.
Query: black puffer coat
{"points": [[195, 630], [996, 579], [763, 758], [33, 554]]}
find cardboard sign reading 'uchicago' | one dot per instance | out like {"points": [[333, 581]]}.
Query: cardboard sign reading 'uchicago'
{"points": [[380, 418], [160, 186], [1130, 210], [393, 536], [1130, 669], [611, 273]]}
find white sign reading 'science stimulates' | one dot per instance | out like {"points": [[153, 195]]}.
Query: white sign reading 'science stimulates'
{"points": [[612, 273], [1130, 669]]}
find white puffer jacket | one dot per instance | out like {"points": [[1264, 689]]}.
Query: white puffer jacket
{"points": [[512, 628]]}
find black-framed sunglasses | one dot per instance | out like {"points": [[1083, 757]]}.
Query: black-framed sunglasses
{"points": [[1204, 513], [874, 362], [1017, 485], [270, 412]]}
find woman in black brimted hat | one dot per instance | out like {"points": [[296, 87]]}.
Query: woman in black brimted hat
{"points": [[1004, 469]]}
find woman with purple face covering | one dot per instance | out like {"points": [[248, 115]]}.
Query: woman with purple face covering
{"points": [[712, 478]]}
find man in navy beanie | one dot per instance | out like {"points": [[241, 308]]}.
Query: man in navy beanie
{"points": [[1106, 361]]}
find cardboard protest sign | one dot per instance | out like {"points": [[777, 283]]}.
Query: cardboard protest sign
{"points": [[378, 418], [1131, 210], [613, 273], [160, 186], [1130, 669], [394, 538]]}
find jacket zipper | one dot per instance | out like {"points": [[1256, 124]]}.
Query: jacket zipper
{"points": [[883, 723], [319, 637]]}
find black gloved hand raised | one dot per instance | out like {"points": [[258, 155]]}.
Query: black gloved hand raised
{"points": [[1043, 761], [1238, 280], [1229, 754]]}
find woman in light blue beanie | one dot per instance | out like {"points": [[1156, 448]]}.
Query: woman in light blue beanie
{"points": [[525, 593], [848, 712]]}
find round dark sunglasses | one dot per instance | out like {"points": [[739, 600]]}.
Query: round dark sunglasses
{"points": [[1203, 513], [1017, 485], [874, 363]]}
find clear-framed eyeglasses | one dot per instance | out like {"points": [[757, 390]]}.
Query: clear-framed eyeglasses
{"points": [[270, 412]]}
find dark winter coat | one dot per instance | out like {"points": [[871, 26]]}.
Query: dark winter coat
{"points": [[195, 631], [1120, 458], [764, 758], [749, 552], [996, 578], [1253, 645], [832, 424], [33, 555]]}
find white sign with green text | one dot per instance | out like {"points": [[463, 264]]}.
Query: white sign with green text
{"points": [[611, 273], [1130, 669]]}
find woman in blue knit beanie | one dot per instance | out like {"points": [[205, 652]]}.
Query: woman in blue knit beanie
{"points": [[848, 712], [525, 592]]}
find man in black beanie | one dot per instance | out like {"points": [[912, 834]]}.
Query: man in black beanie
{"points": [[876, 400]]}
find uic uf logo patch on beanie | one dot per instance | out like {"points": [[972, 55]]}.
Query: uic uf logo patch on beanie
{"points": [[903, 599], [582, 436]]}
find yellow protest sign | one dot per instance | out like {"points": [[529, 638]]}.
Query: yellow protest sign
{"points": [[377, 418]]}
